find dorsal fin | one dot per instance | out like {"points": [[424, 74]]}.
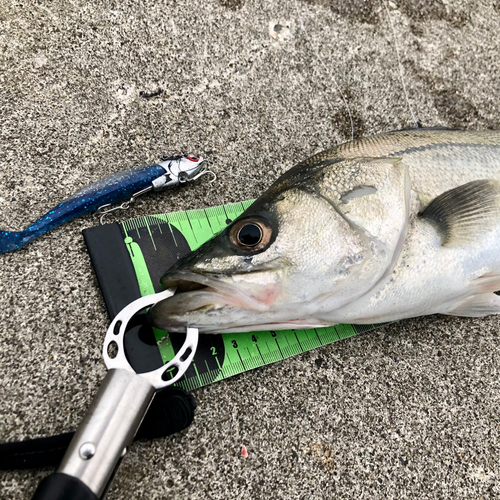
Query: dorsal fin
{"points": [[463, 213], [423, 129]]}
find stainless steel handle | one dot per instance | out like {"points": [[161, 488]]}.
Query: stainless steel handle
{"points": [[107, 429]]}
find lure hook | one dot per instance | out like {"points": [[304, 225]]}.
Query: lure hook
{"points": [[102, 213], [205, 172], [124, 206]]}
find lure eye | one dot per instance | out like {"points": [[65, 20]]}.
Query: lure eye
{"points": [[252, 234]]}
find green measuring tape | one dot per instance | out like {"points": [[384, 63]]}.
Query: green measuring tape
{"points": [[156, 242]]}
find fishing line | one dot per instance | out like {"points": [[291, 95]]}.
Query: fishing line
{"points": [[225, 172], [332, 78], [258, 181], [219, 137], [400, 65]]}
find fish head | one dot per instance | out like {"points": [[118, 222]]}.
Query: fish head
{"points": [[310, 244]]}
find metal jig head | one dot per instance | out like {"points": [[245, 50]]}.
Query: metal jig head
{"points": [[182, 169], [179, 169]]}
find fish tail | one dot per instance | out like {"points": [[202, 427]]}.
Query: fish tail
{"points": [[12, 240]]}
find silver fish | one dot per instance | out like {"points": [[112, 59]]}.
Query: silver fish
{"points": [[379, 229]]}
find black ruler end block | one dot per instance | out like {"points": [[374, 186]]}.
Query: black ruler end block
{"points": [[117, 280], [112, 266]]}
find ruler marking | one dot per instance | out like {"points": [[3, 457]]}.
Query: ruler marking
{"points": [[276, 340], [260, 354], [268, 349], [150, 234], [252, 361], [317, 335], [218, 364], [300, 345], [197, 374], [208, 220], [286, 339], [171, 231], [232, 369], [152, 221], [136, 227], [191, 226], [227, 216], [241, 359]]}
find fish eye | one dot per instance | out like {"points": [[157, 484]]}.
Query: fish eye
{"points": [[251, 235]]}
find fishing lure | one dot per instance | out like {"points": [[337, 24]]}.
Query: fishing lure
{"points": [[101, 195]]}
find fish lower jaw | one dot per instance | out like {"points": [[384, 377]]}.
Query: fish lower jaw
{"points": [[220, 318], [289, 325]]}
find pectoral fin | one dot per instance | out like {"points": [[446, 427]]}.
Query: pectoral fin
{"points": [[464, 213], [482, 301], [478, 306]]}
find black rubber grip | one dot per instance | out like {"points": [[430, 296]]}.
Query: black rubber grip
{"points": [[33, 453], [171, 411], [60, 486]]}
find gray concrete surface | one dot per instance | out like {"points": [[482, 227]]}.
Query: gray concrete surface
{"points": [[410, 411]]}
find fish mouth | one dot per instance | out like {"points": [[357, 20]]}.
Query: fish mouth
{"points": [[214, 306], [205, 294], [189, 283]]}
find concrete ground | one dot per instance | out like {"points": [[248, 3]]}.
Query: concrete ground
{"points": [[409, 411]]}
